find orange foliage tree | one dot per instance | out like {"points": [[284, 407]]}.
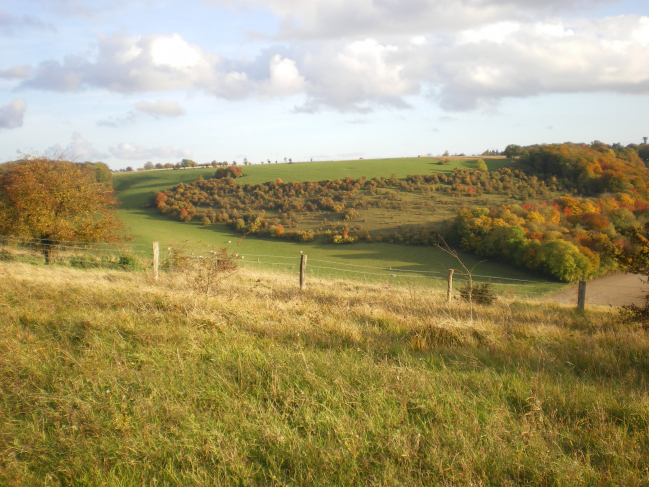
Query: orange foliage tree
{"points": [[55, 201]]}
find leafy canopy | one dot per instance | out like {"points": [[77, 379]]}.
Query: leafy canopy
{"points": [[57, 200]]}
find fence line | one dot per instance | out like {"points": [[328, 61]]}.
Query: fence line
{"points": [[44, 241], [271, 256], [389, 273], [127, 256]]}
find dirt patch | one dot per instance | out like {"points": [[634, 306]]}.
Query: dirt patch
{"points": [[616, 290]]}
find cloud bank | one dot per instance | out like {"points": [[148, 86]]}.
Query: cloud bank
{"points": [[335, 19], [470, 64]]}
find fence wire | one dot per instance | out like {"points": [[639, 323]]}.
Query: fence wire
{"points": [[137, 257], [81, 255]]}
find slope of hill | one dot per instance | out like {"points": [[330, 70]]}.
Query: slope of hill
{"points": [[135, 189], [110, 379]]}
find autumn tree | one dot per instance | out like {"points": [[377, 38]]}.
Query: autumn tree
{"points": [[53, 201]]}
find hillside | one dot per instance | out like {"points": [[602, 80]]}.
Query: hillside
{"points": [[110, 379], [147, 225]]}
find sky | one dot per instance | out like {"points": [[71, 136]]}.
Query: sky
{"points": [[131, 81]]}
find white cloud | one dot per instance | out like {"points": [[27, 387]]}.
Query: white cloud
{"points": [[11, 115], [133, 151], [166, 108], [138, 64], [591, 56], [285, 78], [176, 53], [472, 68], [79, 149], [345, 77], [15, 72]]}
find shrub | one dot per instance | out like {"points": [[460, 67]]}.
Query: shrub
{"points": [[84, 261], [481, 165], [228, 172], [6, 256], [482, 293], [129, 262], [636, 314], [351, 214], [206, 271]]}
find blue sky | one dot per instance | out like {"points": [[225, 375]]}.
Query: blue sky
{"points": [[127, 82]]}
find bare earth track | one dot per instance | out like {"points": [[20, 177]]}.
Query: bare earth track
{"points": [[616, 290]]}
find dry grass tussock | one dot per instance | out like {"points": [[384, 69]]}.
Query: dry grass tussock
{"points": [[110, 378]]}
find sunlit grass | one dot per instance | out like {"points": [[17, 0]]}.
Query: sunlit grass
{"points": [[110, 378]]}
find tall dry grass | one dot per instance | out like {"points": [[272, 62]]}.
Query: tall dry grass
{"points": [[110, 378]]}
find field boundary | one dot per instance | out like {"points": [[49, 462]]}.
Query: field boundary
{"points": [[613, 290]]}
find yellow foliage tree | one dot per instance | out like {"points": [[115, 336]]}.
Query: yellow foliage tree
{"points": [[53, 201]]}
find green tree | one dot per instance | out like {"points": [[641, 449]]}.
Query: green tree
{"points": [[513, 150], [55, 201], [102, 173], [563, 260], [643, 152], [481, 165]]}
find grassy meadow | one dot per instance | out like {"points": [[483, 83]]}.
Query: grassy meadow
{"points": [[110, 378], [147, 225]]}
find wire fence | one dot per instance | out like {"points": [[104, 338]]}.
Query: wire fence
{"points": [[138, 257], [398, 276], [81, 255]]}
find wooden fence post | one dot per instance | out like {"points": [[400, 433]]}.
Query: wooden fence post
{"points": [[581, 296], [449, 291], [156, 260], [302, 272]]}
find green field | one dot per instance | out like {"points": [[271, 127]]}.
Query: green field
{"points": [[147, 225]]}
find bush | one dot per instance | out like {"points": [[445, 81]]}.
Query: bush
{"points": [[478, 293], [636, 314], [206, 271], [6, 256], [129, 262], [228, 172], [84, 261]]}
